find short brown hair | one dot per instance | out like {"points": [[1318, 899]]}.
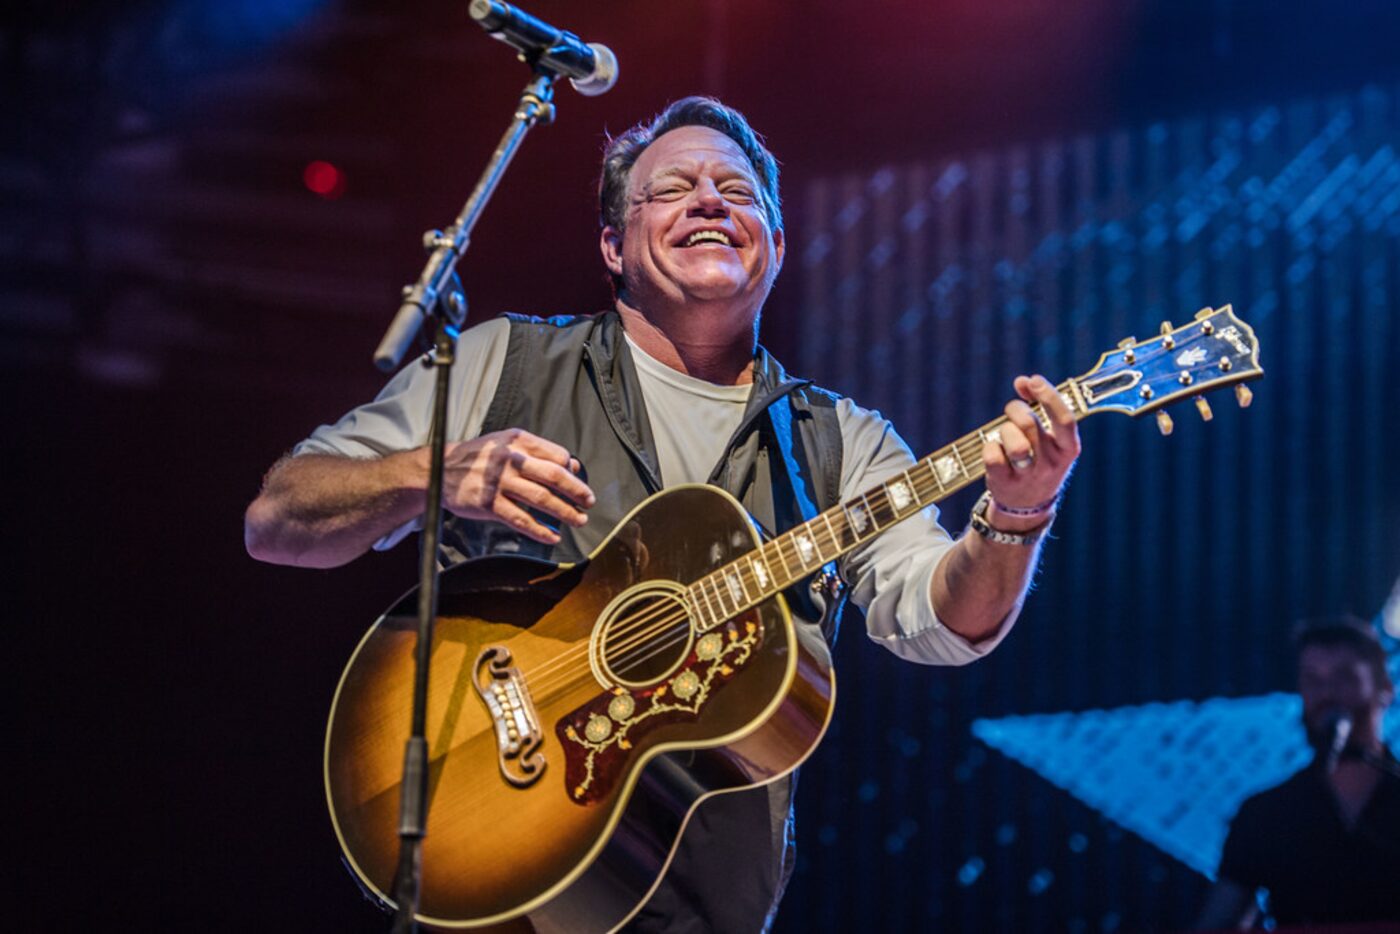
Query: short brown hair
{"points": [[621, 152], [1349, 632]]}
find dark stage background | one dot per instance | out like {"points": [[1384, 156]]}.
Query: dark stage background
{"points": [[972, 189]]}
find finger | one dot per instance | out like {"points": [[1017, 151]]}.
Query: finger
{"points": [[1030, 389], [558, 478], [1055, 405], [994, 457], [999, 471], [507, 512], [1057, 420], [1020, 434], [535, 446], [529, 493]]}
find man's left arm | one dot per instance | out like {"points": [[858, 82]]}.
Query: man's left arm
{"points": [[980, 583]]}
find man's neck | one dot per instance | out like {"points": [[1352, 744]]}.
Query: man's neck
{"points": [[1353, 782], [714, 345]]}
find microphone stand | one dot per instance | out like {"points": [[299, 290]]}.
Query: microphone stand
{"points": [[434, 297]]}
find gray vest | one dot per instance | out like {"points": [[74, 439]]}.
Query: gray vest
{"points": [[572, 380]]}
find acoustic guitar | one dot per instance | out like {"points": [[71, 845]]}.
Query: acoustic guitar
{"points": [[578, 714]]}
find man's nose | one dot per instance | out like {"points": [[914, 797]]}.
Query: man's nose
{"points": [[1324, 697], [706, 201]]}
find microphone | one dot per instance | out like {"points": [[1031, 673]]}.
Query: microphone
{"points": [[1336, 730], [590, 67]]}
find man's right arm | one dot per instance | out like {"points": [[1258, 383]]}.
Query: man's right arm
{"points": [[322, 510]]}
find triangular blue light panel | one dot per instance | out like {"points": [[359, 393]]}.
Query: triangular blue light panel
{"points": [[1173, 773]]}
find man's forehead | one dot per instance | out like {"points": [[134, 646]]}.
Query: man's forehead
{"points": [[687, 148], [1329, 656]]}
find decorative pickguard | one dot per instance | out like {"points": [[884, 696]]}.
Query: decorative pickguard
{"points": [[597, 737]]}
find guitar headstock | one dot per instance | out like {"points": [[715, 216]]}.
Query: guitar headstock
{"points": [[1216, 349]]}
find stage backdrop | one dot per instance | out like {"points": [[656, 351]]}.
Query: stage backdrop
{"points": [[1178, 564], [207, 208]]}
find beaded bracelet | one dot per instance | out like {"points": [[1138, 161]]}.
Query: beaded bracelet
{"points": [[1026, 512]]}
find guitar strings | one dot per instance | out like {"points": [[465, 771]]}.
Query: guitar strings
{"points": [[633, 629], [634, 659], [637, 631]]}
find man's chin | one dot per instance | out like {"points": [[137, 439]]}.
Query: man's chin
{"points": [[708, 291]]}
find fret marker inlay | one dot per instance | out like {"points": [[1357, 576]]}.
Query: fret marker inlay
{"points": [[860, 519], [900, 495], [736, 590], [805, 549], [760, 573], [946, 467]]}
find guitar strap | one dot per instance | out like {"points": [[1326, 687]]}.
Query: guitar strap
{"points": [[809, 449]]}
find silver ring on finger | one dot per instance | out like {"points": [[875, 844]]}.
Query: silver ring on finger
{"points": [[1021, 463]]}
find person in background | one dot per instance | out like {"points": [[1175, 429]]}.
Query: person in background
{"points": [[1325, 844]]}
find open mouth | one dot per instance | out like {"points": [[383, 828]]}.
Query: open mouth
{"points": [[707, 236]]}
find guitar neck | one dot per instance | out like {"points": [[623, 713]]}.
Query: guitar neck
{"points": [[777, 564]]}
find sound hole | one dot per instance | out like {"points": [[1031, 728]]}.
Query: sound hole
{"points": [[648, 635]]}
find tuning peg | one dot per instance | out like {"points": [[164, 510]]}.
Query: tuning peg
{"points": [[1164, 422], [1203, 407], [1243, 396], [1167, 340], [1126, 345], [1204, 313]]}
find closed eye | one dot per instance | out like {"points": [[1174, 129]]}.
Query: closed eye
{"points": [[668, 192]]}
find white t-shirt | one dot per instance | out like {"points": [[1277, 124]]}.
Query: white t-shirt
{"points": [[691, 420]]}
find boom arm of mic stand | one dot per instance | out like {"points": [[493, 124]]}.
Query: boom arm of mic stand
{"points": [[447, 247]]}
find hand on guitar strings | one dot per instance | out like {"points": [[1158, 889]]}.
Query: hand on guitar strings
{"points": [[500, 476], [1027, 469]]}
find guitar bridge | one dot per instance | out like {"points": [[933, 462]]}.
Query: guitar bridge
{"points": [[501, 688]]}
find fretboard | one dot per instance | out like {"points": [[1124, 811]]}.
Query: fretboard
{"points": [[797, 553]]}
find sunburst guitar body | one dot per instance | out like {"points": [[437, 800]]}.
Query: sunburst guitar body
{"points": [[576, 715]]}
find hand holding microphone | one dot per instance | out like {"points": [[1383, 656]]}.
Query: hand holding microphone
{"points": [[1336, 730]]}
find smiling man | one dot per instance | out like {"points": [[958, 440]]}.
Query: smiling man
{"points": [[559, 427]]}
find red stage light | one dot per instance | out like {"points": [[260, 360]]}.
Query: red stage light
{"points": [[324, 179]]}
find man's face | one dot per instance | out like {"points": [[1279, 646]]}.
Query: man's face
{"points": [[1336, 678], [696, 228]]}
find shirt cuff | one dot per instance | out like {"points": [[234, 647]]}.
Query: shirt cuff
{"points": [[930, 641]]}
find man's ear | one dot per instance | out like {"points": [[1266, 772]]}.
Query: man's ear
{"points": [[779, 246], [610, 244]]}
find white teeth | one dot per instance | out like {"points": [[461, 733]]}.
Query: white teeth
{"points": [[712, 235]]}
